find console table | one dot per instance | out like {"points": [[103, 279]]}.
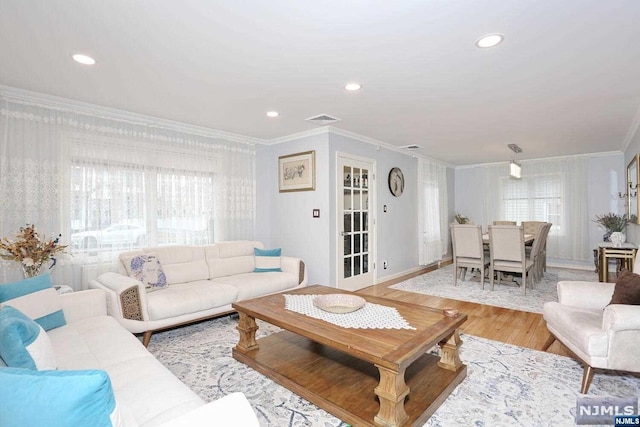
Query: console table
{"points": [[624, 255]]}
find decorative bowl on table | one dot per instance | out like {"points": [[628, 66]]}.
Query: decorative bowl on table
{"points": [[339, 303]]}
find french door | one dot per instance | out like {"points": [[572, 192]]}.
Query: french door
{"points": [[356, 224]]}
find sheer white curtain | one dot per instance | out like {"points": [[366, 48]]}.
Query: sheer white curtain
{"points": [[433, 211], [553, 190], [109, 183]]}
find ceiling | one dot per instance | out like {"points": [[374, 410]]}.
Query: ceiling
{"points": [[566, 79]]}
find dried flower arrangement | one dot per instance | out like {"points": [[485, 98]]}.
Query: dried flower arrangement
{"points": [[30, 250]]}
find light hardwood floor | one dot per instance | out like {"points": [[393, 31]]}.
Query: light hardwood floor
{"points": [[500, 324]]}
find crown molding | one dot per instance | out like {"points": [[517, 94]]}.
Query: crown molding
{"points": [[326, 130], [64, 104], [569, 156]]}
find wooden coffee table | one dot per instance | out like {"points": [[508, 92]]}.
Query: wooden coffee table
{"points": [[365, 377]]}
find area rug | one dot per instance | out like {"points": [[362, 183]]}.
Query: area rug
{"points": [[507, 295], [505, 386]]}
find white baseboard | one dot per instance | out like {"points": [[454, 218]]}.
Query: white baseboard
{"points": [[443, 261], [578, 265]]}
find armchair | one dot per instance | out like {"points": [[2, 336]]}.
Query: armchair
{"points": [[599, 334]]}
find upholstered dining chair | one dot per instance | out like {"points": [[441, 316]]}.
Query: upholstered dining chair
{"points": [[593, 320], [505, 223], [537, 252], [468, 251], [545, 236], [531, 227], [507, 253]]}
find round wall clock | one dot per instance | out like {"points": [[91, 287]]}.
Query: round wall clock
{"points": [[396, 182]]}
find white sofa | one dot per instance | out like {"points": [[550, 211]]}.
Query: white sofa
{"points": [[146, 393], [203, 282]]}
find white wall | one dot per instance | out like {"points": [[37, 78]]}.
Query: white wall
{"points": [[285, 219], [633, 230], [607, 175], [396, 229]]}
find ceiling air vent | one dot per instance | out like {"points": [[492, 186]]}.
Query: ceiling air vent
{"points": [[411, 147], [323, 119]]}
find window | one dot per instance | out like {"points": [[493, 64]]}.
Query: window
{"points": [[107, 207], [184, 206], [119, 207], [536, 198]]}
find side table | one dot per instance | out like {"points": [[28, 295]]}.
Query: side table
{"points": [[63, 289], [625, 256]]}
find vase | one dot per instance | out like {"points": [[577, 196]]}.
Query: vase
{"points": [[618, 238], [606, 236], [31, 270]]}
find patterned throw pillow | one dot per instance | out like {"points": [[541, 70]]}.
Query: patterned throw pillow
{"points": [[36, 298], [267, 260], [148, 270]]}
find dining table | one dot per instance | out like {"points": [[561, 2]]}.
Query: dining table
{"points": [[528, 238]]}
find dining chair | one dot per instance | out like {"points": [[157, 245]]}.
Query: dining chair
{"points": [[531, 227], [507, 252], [504, 223], [468, 251], [545, 236], [535, 252]]}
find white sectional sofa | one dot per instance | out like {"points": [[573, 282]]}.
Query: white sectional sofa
{"points": [[203, 281], [146, 393]]}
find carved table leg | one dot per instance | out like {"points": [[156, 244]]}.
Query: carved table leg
{"points": [[450, 354], [391, 392], [247, 328]]}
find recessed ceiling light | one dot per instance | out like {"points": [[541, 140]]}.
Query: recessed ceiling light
{"points": [[489, 40], [84, 59], [353, 86], [272, 114]]}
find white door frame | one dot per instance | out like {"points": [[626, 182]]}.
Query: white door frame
{"points": [[373, 229]]}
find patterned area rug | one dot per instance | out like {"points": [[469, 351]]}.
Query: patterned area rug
{"points": [[507, 295], [505, 386]]}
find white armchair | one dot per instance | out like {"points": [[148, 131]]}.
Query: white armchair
{"points": [[600, 335]]}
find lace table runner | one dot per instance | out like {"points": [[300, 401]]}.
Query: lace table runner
{"points": [[371, 316]]}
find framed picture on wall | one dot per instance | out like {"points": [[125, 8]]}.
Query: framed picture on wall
{"points": [[297, 172]]}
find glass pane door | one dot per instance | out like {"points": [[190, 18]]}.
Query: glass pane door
{"points": [[355, 234]]}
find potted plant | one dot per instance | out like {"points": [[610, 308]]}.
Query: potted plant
{"points": [[613, 223], [462, 219]]}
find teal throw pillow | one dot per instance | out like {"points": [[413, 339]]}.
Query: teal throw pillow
{"points": [[36, 298], [267, 260], [23, 343], [57, 398]]}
